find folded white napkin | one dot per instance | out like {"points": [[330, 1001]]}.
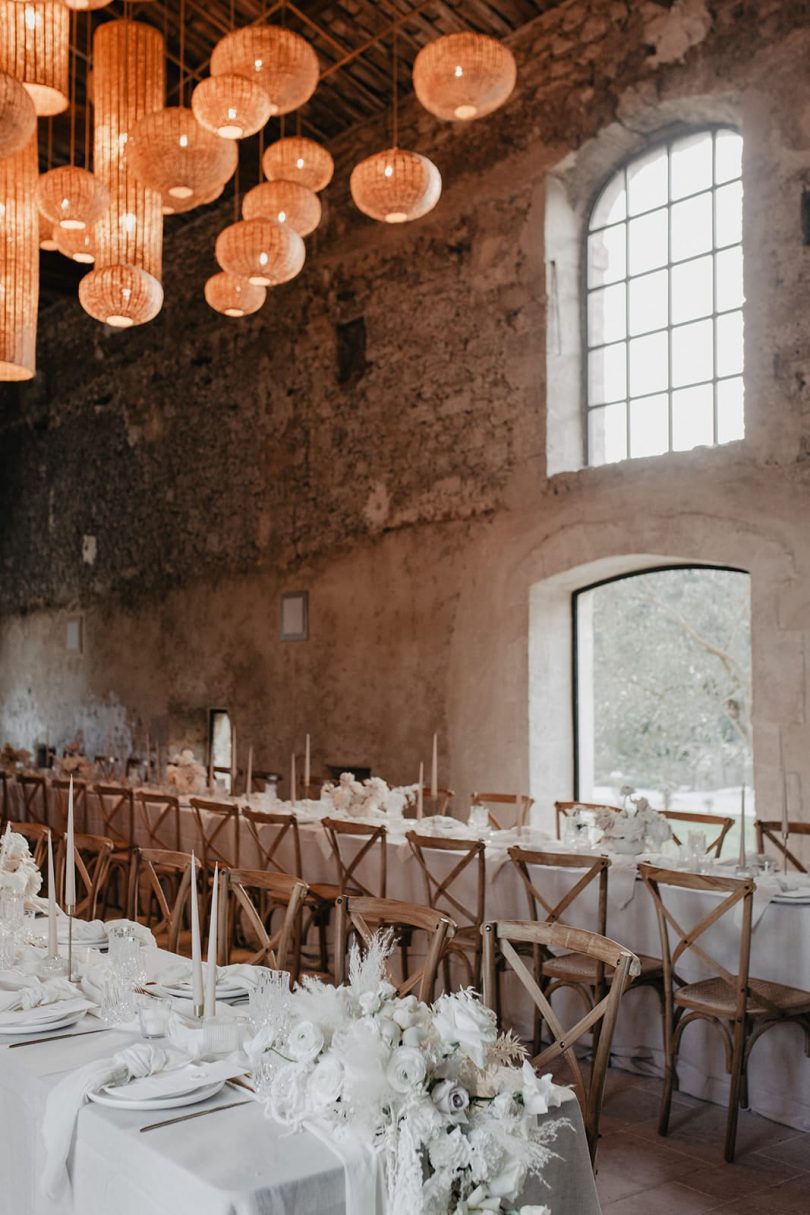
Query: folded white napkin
{"points": [[26, 991], [96, 930], [240, 975], [69, 1095]]}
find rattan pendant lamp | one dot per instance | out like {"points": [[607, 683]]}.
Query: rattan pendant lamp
{"points": [[233, 294], [34, 48], [230, 105], [296, 158], [19, 264], [464, 76], [18, 118], [281, 62]]}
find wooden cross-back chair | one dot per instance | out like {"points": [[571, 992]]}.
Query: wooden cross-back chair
{"points": [[722, 826], [430, 805], [363, 916], [740, 1007], [277, 840], [35, 806], [520, 804], [5, 809], [218, 831], [164, 876], [251, 898], [442, 894], [568, 809], [771, 830], [116, 808], [106, 766], [500, 939], [342, 835], [158, 817], [37, 836], [58, 804], [91, 855]]}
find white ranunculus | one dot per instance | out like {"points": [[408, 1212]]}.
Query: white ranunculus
{"points": [[406, 1070], [463, 1022], [451, 1099], [539, 1093], [449, 1150], [413, 1036], [509, 1182], [305, 1042], [406, 1012], [325, 1082], [389, 1031]]}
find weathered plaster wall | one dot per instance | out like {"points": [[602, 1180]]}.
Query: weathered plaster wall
{"points": [[218, 463]]}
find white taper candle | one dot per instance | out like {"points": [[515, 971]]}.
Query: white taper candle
{"points": [[293, 781], [211, 974], [249, 777], [306, 767], [53, 946], [70, 860], [434, 769], [420, 793], [197, 993]]}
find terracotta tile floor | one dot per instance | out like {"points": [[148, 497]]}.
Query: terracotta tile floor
{"points": [[641, 1173]]}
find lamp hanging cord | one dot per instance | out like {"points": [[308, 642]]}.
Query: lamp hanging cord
{"points": [[89, 48], [395, 90], [73, 48]]}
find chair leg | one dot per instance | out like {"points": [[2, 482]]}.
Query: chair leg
{"points": [[671, 1045], [735, 1091]]}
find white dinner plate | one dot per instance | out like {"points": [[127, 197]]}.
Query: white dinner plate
{"points": [[42, 1027], [82, 941], [159, 1103], [184, 991], [792, 896]]}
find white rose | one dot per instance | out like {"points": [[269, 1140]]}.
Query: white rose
{"points": [[305, 1042], [406, 1070], [449, 1151], [462, 1022], [539, 1093], [325, 1082], [509, 1181], [451, 1099]]}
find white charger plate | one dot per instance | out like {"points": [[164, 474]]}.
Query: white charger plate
{"points": [[42, 1027], [184, 992], [159, 1103]]}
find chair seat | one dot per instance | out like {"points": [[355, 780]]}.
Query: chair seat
{"points": [[578, 968], [718, 997]]}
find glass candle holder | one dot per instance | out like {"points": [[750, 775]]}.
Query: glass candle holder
{"points": [[154, 1016], [223, 1036]]}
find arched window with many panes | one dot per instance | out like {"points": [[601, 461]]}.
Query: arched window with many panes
{"points": [[664, 320]]}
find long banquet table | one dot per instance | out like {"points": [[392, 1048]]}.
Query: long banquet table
{"points": [[236, 1162]]}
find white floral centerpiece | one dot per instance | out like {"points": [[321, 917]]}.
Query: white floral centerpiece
{"points": [[12, 758], [362, 799], [435, 1090], [634, 828], [76, 764], [19, 874], [186, 774]]}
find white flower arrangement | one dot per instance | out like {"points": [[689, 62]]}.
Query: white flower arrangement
{"points": [[186, 774], [19, 874], [75, 764], [364, 799], [13, 758], [635, 827], [436, 1090]]}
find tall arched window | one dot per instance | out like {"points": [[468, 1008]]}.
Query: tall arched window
{"points": [[664, 301]]}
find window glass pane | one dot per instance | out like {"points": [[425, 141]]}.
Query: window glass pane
{"points": [[730, 416], [611, 203], [607, 434], [691, 164], [648, 364], [692, 417], [692, 353], [649, 426], [728, 214], [647, 182], [607, 374], [648, 242], [607, 314], [727, 156], [606, 256], [649, 302], [692, 289], [729, 279], [692, 227], [730, 343]]}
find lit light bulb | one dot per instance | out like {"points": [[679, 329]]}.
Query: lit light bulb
{"points": [[122, 138], [30, 18], [389, 170], [183, 141], [231, 111], [126, 293], [258, 64], [282, 215], [459, 71], [299, 164], [2, 210], [264, 258], [129, 221], [64, 204]]}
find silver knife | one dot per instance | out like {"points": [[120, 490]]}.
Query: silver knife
{"points": [[86, 1033], [155, 1126]]}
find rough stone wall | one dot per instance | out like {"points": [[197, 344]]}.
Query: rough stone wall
{"points": [[376, 435]]}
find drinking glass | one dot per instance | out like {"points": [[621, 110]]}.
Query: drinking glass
{"points": [[268, 999], [696, 849], [479, 819], [154, 1016], [261, 1075], [12, 910], [117, 999], [8, 947], [125, 954]]}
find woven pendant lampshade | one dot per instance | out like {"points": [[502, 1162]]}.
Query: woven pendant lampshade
{"points": [[298, 159], [18, 118], [19, 264], [121, 296], [395, 186], [278, 60], [34, 48], [261, 250], [170, 152], [463, 76], [129, 82], [285, 201], [72, 197], [85, 6], [231, 106], [79, 246], [178, 206], [232, 295], [46, 240]]}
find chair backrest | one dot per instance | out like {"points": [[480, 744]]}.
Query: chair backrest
{"points": [[159, 818], [4, 806], [162, 868], [277, 841], [105, 766], [541, 906], [441, 889], [342, 836], [440, 805], [364, 916], [35, 807], [721, 827], [91, 856], [59, 797], [256, 895], [677, 940], [520, 803], [37, 836], [771, 830], [218, 828], [116, 804], [567, 809], [500, 938]]}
